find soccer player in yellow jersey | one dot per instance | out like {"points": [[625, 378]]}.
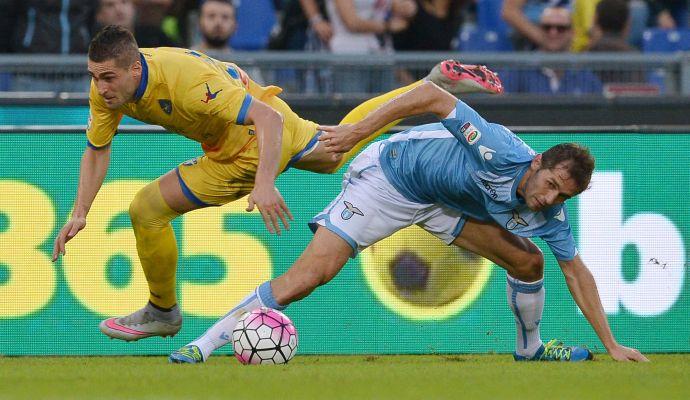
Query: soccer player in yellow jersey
{"points": [[247, 134]]}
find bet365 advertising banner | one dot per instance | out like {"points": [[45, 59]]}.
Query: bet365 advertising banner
{"points": [[407, 294]]}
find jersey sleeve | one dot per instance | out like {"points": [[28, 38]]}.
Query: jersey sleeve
{"points": [[103, 122], [219, 98], [493, 146], [559, 236]]}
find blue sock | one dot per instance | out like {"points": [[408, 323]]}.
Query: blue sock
{"points": [[265, 293]]}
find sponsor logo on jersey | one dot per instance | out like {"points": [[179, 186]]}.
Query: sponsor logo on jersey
{"points": [[349, 211], [516, 221], [210, 95], [486, 152], [166, 105], [492, 191], [88, 123], [470, 133], [560, 216]]}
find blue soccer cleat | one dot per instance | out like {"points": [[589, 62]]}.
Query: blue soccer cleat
{"points": [[554, 350], [188, 354]]}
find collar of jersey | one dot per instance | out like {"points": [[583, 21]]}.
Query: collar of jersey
{"points": [[515, 199], [144, 78]]}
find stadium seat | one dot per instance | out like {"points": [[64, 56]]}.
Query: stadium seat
{"points": [[5, 81], [665, 41], [478, 39], [255, 21]]}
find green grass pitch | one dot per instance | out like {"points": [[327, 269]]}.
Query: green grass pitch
{"points": [[344, 377]]}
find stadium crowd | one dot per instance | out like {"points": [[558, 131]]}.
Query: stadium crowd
{"points": [[365, 27]]}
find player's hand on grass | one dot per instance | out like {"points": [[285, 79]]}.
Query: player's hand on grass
{"points": [[271, 205], [338, 139], [70, 230], [622, 353]]}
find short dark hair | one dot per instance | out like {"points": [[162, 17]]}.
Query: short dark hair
{"points": [[578, 161], [228, 2], [114, 42], [612, 15]]}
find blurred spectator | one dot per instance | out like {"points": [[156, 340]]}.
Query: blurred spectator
{"points": [[668, 14], [365, 27], [433, 27], [115, 12], [124, 13], [7, 21], [583, 23], [523, 16], [216, 24], [556, 26], [611, 25], [610, 31], [305, 25], [149, 30], [47, 26]]}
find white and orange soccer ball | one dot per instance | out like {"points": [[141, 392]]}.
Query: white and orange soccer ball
{"points": [[264, 336]]}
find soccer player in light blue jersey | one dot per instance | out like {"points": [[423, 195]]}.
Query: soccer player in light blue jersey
{"points": [[468, 182]]}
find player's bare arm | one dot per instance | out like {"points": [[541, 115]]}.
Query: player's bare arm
{"points": [[269, 133], [94, 166], [584, 290], [426, 98]]}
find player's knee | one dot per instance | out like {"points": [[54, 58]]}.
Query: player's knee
{"points": [[338, 162], [148, 209], [137, 213], [530, 268], [333, 166]]}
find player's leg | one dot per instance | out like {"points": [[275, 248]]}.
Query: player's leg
{"points": [[322, 260], [451, 75], [319, 160], [524, 264], [151, 211], [195, 184], [367, 210]]}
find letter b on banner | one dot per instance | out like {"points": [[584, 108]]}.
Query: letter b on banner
{"points": [[604, 235]]}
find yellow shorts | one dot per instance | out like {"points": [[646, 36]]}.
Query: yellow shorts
{"points": [[207, 182]]}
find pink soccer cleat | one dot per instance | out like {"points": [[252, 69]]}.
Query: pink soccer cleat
{"points": [[458, 78], [143, 323]]}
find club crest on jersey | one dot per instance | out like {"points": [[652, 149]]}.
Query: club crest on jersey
{"points": [[516, 221], [166, 105], [349, 211], [210, 95], [560, 216], [191, 162], [470, 133]]}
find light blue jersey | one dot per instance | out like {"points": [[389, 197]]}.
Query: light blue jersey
{"points": [[470, 165]]}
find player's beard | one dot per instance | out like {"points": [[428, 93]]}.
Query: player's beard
{"points": [[215, 42]]}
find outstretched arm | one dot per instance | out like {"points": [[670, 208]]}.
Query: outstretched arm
{"points": [[425, 98], [94, 166], [584, 290], [269, 133]]}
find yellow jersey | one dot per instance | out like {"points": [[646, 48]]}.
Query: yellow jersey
{"points": [[206, 100]]}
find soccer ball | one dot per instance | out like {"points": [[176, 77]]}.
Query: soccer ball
{"points": [[264, 336]]}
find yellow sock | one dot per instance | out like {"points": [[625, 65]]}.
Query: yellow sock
{"points": [[156, 243], [362, 110]]}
